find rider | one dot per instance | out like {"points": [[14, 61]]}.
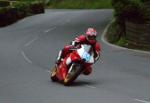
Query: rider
{"points": [[88, 38]]}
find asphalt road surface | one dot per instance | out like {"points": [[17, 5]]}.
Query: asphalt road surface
{"points": [[28, 50]]}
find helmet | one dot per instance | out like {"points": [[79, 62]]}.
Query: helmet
{"points": [[91, 34]]}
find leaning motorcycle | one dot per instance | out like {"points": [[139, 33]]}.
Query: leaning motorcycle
{"points": [[78, 59]]}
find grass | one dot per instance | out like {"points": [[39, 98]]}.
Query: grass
{"points": [[80, 4], [122, 42]]}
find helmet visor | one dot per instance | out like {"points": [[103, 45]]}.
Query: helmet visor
{"points": [[91, 37]]}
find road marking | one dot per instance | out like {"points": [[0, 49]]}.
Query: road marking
{"points": [[48, 30], [30, 42], [65, 22], [90, 86], [141, 101], [48, 71], [25, 57]]}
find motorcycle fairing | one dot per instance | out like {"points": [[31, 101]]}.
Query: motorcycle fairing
{"points": [[85, 53]]}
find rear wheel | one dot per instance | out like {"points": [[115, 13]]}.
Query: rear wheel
{"points": [[53, 74], [74, 71]]}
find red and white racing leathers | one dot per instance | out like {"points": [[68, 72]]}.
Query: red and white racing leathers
{"points": [[76, 44]]}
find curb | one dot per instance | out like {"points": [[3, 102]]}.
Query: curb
{"points": [[104, 40]]}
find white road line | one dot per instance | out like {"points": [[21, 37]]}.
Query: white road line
{"points": [[48, 30], [30, 42], [65, 22], [25, 57], [141, 101], [90, 86], [48, 71]]}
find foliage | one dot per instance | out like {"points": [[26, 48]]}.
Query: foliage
{"points": [[36, 7], [18, 10], [122, 42], [4, 3], [80, 4], [135, 11], [112, 33], [22, 7], [130, 10], [144, 0]]}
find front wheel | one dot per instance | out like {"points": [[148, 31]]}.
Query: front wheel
{"points": [[53, 74], [74, 71]]}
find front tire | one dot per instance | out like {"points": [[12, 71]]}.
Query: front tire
{"points": [[74, 71], [53, 74]]}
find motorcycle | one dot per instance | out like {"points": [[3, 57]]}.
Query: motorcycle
{"points": [[78, 59]]}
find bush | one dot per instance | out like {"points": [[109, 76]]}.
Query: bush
{"points": [[127, 10], [112, 33], [37, 7], [80, 4], [7, 16], [130, 10], [146, 12], [135, 11], [19, 10], [29, 8], [144, 0], [4, 3], [23, 9]]}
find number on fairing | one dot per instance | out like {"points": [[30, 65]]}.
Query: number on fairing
{"points": [[86, 56]]}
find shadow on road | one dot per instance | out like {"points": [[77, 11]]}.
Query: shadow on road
{"points": [[83, 83]]}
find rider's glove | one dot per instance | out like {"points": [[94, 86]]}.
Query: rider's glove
{"points": [[96, 56]]}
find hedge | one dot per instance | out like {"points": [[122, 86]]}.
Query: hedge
{"points": [[129, 10], [7, 16], [4, 3], [137, 12], [19, 10], [37, 7]]}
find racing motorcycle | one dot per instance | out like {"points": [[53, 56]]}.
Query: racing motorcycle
{"points": [[79, 58]]}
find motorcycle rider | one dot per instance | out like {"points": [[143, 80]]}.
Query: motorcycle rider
{"points": [[90, 39]]}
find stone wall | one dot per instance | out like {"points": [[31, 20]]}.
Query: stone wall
{"points": [[138, 34]]}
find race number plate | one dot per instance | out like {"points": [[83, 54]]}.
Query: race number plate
{"points": [[86, 56]]}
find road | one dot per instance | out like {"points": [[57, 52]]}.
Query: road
{"points": [[28, 50]]}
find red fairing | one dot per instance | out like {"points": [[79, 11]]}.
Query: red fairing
{"points": [[62, 71], [64, 67], [74, 56], [97, 47], [81, 38], [66, 50]]}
